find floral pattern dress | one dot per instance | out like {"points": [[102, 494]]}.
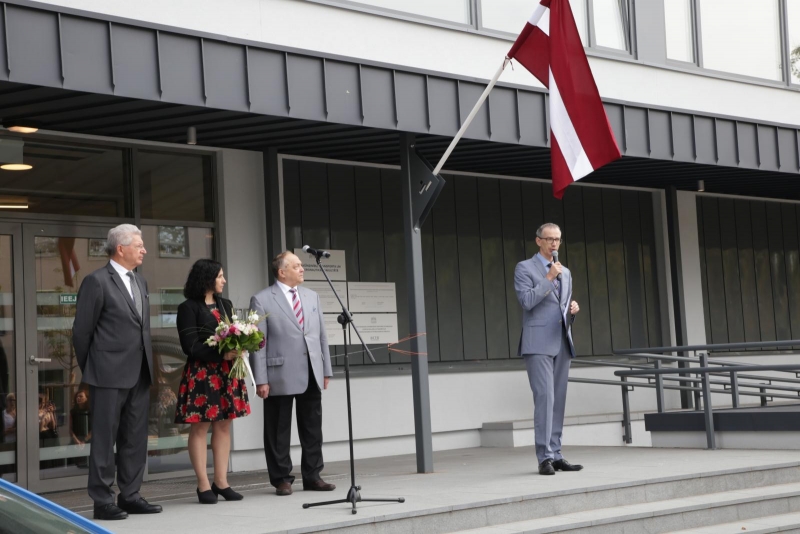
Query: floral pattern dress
{"points": [[206, 393]]}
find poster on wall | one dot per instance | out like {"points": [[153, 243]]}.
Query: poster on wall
{"points": [[333, 329], [335, 266], [375, 328], [326, 296], [379, 297]]}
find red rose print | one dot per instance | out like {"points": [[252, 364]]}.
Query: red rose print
{"points": [[215, 381], [191, 384], [247, 409], [235, 383], [226, 367], [194, 418], [232, 416], [183, 410], [230, 389], [201, 374], [182, 390], [200, 401], [212, 412], [225, 403], [239, 404]]}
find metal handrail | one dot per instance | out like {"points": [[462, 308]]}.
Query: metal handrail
{"points": [[713, 346]]}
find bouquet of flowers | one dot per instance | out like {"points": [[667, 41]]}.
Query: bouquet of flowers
{"points": [[242, 336]]}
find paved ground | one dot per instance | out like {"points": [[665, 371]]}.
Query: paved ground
{"points": [[461, 478]]}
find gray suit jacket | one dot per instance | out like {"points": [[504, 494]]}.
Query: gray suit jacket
{"points": [[283, 362], [543, 316], [110, 338]]}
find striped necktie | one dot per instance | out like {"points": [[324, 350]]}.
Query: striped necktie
{"points": [[297, 307], [556, 283]]}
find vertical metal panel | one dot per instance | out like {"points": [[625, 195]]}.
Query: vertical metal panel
{"points": [[315, 211], [3, 41], [660, 139], [703, 266], [650, 268], [494, 290], [86, 55], [747, 271], [747, 137], [766, 310], [683, 137], [292, 205], [792, 257], [469, 266], [268, 82], [468, 94], [727, 146], [513, 253], [615, 270], [532, 214], [135, 67], [181, 69], [33, 46], [777, 261], [768, 148], [705, 140], [730, 270], [226, 76], [307, 86], [634, 270], [448, 291], [344, 226], [579, 267], [787, 145], [716, 281], [616, 117], [344, 92], [503, 105], [598, 282], [395, 253], [532, 119], [411, 96], [443, 106], [431, 309], [636, 132], [377, 92]]}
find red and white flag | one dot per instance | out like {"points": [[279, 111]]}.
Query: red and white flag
{"points": [[581, 139]]}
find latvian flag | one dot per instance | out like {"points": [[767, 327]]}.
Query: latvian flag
{"points": [[581, 138]]}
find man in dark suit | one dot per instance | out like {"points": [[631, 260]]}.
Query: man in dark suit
{"points": [[111, 335], [544, 290], [295, 364]]}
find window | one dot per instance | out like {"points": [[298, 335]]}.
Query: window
{"points": [[610, 24], [739, 38], [175, 187], [173, 242], [680, 28], [449, 10], [793, 17]]}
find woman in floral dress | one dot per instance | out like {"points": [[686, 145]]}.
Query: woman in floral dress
{"points": [[207, 396]]}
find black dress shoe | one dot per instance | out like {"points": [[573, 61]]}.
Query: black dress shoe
{"points": [[139, 506], [318, 485], [228, 493], [109, 512], [546, 468], [563, 465], [207, 496]]}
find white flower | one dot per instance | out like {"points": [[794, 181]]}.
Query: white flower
{"points": [[212, 343], [234, 317]]}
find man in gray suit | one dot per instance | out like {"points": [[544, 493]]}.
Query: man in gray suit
{"points": [[111, 335], [295, 364], [544, 290]]}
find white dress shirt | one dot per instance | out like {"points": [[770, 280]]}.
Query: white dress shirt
{"points": [[287, 293], [123, 273]]}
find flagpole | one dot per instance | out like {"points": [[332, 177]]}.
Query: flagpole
{"points": [[471, 116]]}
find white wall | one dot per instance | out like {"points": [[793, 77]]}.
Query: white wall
{"points": [[315, 27]]}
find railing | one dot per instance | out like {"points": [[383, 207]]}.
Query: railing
{"points": [[699, 380]]}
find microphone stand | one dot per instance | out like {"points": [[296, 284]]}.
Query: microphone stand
{"points": [[345, 318]]}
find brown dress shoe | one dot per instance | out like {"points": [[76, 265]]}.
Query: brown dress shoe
{"points": [[283, 489], [318, 485]]}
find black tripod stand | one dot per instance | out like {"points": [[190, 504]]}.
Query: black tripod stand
{"points": [[345, 318]]}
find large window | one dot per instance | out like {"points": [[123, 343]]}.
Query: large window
{"points": [[510, 15], [175, 187], [793, 18], [449, 10], [741, 37], [679, 20]]}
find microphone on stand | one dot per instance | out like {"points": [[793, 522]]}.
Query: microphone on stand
{"points": [[555, 260], [317, 253]]}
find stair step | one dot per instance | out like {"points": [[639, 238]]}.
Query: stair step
{"points": [[667, 515], [761, 525]]}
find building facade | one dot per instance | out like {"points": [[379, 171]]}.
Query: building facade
{"points": [[297, 112]]}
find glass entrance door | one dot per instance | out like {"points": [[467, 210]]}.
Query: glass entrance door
{"points": [[12, 438]]}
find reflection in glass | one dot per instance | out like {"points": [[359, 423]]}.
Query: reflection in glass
{"points": [[793, 17], [175, 187], [678, 17], [739, 39], [450, 10], [166, 276], [610, 24], [8, 390], [511, 15]]}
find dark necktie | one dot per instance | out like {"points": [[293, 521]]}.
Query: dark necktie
{"points": [[137, 295]]}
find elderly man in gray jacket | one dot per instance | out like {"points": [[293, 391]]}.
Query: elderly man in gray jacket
{"points": [[295, 364], [546, 343]]}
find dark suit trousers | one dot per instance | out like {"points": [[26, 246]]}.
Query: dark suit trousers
{"points": [[278, 433], [119, 416]]}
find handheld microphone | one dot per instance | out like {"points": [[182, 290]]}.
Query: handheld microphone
{"points": [[317, 253], [555, 260]]}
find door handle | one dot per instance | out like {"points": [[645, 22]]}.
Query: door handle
{"points": [[34, 360]]}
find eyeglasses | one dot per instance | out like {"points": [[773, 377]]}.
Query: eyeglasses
{"points": [[551, 240]]}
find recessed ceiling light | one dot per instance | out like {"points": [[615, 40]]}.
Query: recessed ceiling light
{"points": [[16, 167], [24, 126], [13, 206]]}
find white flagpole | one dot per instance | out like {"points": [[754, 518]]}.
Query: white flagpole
{"points": [[471, 116]]}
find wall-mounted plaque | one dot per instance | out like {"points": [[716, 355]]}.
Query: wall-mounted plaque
{"points": [[372, 297], [333, 329], [326, 296], [375, 328], [335, 266]]}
